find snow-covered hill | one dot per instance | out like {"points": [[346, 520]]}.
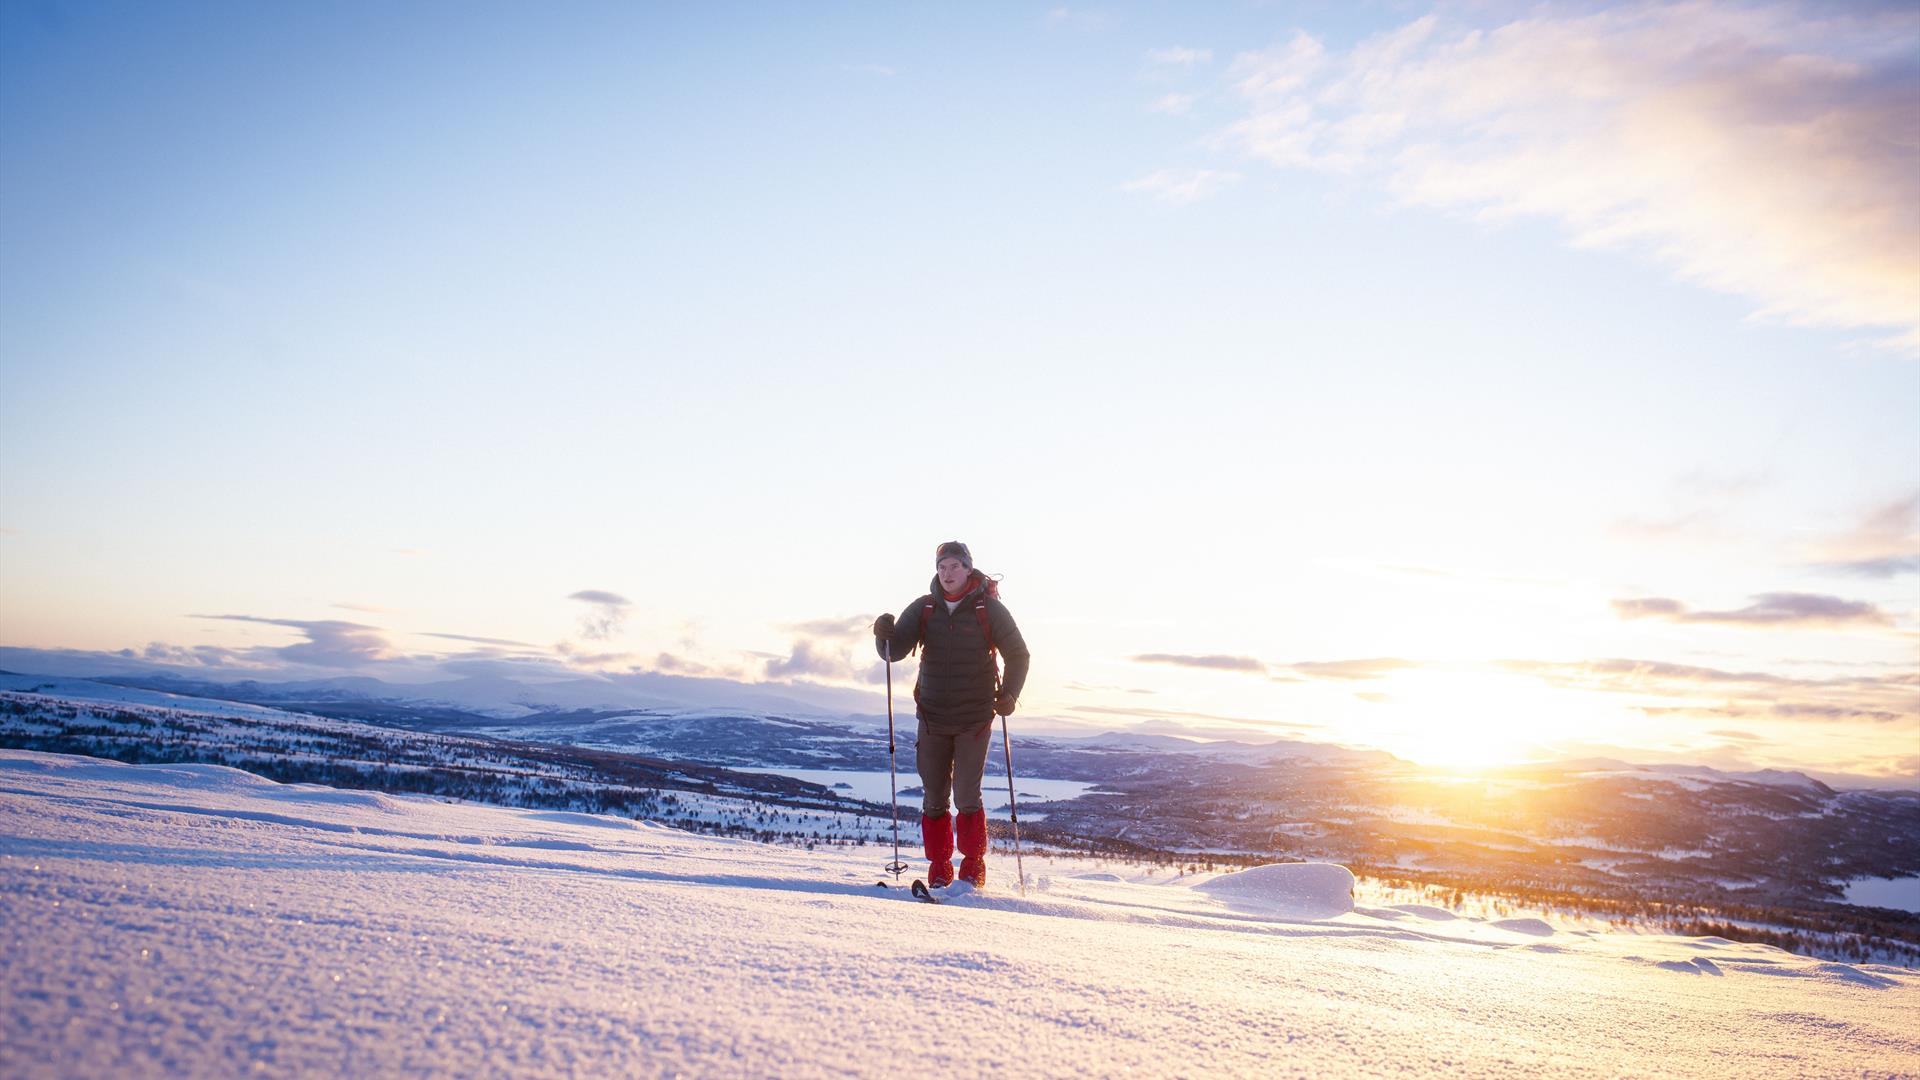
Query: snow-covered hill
{"points": [[90, 690], [141, 726], [193, 920]]}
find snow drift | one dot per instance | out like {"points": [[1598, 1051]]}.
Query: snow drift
{"points": [[1287, 890]]}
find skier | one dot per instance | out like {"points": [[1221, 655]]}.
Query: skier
{"points": [[959, 626]]}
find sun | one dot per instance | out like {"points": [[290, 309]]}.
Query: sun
{"points": [[1469, 719]]}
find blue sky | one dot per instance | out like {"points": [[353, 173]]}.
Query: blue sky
{"points": [[1298, 334]]}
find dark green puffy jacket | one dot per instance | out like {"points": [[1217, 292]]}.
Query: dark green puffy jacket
{"points": [[955, 691]]}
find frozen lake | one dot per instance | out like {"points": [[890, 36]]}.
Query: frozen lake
{"points": [[872, 787], [1900, 893]]}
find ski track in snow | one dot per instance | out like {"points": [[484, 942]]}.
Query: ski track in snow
{"points": [[192, 920]]}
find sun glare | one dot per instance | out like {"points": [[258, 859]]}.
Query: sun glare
{"points": [[1469, 720]]}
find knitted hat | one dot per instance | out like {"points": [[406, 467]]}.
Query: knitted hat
{"points": [[954, 549]]}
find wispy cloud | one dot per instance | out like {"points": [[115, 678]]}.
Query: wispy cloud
{"points": [[1697, 524], [846, 627], [503, 642], [606, 613], [1076, 18], [670, 664], [1780, 711], [1885, 566], [1628, 674], [1701, 505], [1173, 104], [1085, 688], [1767, 610], [1179, 56], [1245, 724], [1762, 150], [1376, 668], [1886, 542], [1469, 575], [1183, 186], [1714, 693], [330, 643], [1699, 483], [1214, 662], [578, 657], [1840, 769]]}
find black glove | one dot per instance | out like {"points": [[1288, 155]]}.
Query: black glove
{"points": [[1003, 704], [883, 627]]}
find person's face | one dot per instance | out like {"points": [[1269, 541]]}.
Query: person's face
{"points": [[953, 573]]}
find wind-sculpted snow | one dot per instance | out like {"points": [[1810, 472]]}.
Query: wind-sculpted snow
{"points": [[169, 920], [1297, 890]]}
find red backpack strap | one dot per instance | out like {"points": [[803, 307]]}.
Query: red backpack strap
{"points": [[986, 631], [986, 624], [980, 609]]}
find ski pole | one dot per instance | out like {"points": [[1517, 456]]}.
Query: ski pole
{"points": [[1013, 808], [896, 867]]}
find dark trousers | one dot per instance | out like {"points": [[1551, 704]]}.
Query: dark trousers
{"points": [[952, 765]]}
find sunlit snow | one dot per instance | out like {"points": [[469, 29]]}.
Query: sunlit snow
{"points": [[192, 920]]}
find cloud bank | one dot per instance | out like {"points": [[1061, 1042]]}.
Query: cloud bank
{"points": [[1767, 610], [606, 613], [824, 649], [1690, 690], [1767, 151], [330, 643], [1378, 667]]}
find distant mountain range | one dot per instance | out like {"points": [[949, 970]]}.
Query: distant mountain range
{"points": [[482, 699], [495, 695], [1593, 828]]}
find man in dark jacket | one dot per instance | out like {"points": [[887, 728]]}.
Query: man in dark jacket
{"points": [[959, 625]]}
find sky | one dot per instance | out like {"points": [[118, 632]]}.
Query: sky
{"points": [[1480, 382]]}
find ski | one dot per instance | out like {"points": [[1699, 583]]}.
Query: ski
{"points": [[918, 889]]}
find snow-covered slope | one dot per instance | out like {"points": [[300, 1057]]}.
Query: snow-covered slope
{"points": [[200, 921], [71, 689]]}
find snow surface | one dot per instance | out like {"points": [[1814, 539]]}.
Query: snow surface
{"points": [[193, 920]]}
